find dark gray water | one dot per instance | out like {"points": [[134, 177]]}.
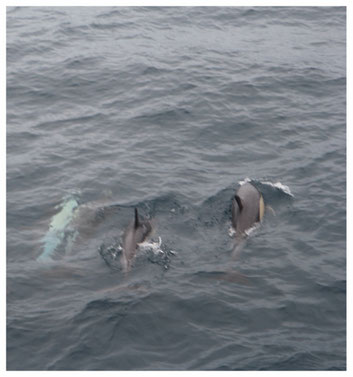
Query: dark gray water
{"points": [[167, 110]]}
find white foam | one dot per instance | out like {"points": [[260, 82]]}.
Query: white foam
{"points": [[251, 230], [231, 231], [155, 247], [279, 186], [246, 180]]}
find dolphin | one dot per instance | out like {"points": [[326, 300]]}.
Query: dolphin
{"points": [[72, 222], [57, 228], [247, 208], [136, 232]]}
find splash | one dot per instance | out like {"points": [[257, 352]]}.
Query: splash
{"points": [[153, 246], [280, 186], [231, 232], [246, 180], [277, 185], [155, 251], [252, 229]]}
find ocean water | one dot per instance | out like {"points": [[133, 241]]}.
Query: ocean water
{"points": [[169, 110]]}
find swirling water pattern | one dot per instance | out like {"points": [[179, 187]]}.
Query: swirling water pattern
{"points": [[167, 109]]}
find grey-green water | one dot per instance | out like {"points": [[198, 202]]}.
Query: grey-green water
{"points": [[167, 110]]}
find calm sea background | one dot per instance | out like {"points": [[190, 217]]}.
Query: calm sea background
{"points": [[167, 110]]}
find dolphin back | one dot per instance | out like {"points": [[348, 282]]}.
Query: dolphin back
{"points": [[136, 233], [247, 207]]}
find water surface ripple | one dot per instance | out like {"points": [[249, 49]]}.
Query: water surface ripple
{"points": [[167, 110]]}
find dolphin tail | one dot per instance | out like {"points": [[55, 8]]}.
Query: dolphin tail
{"points": [[124, 262], [238, 247], [230, 276], [235, 277]]}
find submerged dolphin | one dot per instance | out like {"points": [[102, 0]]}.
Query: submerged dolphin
{"points": [[247, 209], [57, 228], [137, 232], [74, 220]]}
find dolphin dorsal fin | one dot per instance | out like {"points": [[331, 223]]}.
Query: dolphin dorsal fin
{"points": [[136, 219], [240, 204]]}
